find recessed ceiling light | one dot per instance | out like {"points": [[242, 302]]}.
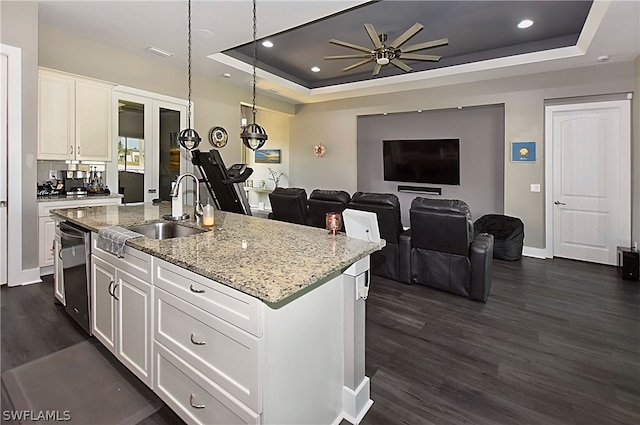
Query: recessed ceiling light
{"points": [[459, 107], [205, 33], [226, 75], [267, 43], [159, 52], [315, 69], [603, 58], [419, 110], [525, 23], [384, 113]]}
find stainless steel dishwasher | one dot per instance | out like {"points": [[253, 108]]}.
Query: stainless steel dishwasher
{"points": [[75, 255]]}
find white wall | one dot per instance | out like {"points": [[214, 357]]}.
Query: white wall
{"points": [[334, 124]]}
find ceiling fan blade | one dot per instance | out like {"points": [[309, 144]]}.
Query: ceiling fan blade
{"points": [[417, 57], [416, 28], [401, 65], [349, 45], [427, 45], [355, 65], [347, 57], [376, 69], [373, 35]]}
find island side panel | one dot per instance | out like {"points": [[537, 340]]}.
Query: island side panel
{"points": [[304, 358]]}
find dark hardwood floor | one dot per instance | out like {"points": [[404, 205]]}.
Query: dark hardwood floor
{"points": [[558, 342]]}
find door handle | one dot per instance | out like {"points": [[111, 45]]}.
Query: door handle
{"points": [[109, 288], [559, 203], [194, 342], [195, 406], [3, 204], [115, 287], [197, 291]]}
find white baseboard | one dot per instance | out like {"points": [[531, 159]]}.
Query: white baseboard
{"points": [[26, 277], [528, 251], [46, 270], [356, 404]]}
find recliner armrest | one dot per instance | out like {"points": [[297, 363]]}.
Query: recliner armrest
{"points": [[404, 248], [481, 257]]}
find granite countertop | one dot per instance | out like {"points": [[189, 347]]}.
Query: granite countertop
{"points": [[280, 260], [74, 197]]}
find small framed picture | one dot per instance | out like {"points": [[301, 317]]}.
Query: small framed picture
{"points": [[268, 156], [523, 151]]}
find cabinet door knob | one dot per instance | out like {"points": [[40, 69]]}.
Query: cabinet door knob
{"points": [[197, 291], [195, 406], [194, 342]]}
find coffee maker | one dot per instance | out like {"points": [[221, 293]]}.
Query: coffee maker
{"points": [[75, 181]]}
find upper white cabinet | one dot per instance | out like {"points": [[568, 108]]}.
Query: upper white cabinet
{"points": [[74, 117]]}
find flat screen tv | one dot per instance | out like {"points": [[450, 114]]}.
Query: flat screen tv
{"points": [[435, 161]]}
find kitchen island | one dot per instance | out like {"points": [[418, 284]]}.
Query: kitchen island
{"points": [[253, 321]]}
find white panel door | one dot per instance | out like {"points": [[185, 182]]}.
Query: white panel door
{"points": [[3, 167], [591, 180]]}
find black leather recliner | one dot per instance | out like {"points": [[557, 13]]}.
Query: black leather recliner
{"points": [[385, 262], [323, 201], [442, 251], [290, 205]]}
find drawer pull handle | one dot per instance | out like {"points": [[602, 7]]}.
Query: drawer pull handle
{"points": [[197, 291], [109, 288], [195, 406], [115, 287], [194, 342]]}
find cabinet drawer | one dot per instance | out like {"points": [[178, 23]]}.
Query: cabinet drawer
{"points": [[192, 396], [225, 354], [135, 262], [226, 303]]}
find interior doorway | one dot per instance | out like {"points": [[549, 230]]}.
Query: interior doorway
{"points": [[588, 183]]}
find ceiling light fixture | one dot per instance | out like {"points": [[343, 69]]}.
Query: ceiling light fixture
{"points": [[525, 23], [226, 75], [253, 136], [159, 52], [267, 43], [189, 138], [315, 69], [603, 58]]}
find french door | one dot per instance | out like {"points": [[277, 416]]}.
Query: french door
{"points": [[148, 153], [591, 194]]}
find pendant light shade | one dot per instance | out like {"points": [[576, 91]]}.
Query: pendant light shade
{"points": [[189, 138], [254, 136]]}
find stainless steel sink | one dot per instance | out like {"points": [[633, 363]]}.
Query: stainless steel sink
{"points": [[164, 230]]}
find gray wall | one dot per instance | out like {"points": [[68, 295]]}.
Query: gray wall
{"points": [[335, 125], [481, 133], [19, 28]]}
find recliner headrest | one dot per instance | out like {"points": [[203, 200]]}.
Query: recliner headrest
{"points": [[382, 199], [290, 191], [452, 205], [330, 195]]}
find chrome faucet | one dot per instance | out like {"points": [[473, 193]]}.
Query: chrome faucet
{"points": [[175, 192]]}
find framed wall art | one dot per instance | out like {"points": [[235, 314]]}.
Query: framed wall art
{"points": [[267, 156], [523, 151]]}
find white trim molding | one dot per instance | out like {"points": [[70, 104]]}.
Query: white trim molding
{"points": [[16, 275], [528, 251]]}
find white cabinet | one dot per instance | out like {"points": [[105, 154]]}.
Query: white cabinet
{"points": [[58, 277], [47, 226], [121, 309], [74, 117], [47, 229]]}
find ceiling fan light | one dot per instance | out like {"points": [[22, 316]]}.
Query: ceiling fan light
{"points": [[382, 61]]}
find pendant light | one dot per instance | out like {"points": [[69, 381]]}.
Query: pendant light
{"points": [[253, 136], [189, 138]]}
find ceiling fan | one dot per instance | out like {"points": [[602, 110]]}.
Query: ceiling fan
{"points": [[392, 53]]}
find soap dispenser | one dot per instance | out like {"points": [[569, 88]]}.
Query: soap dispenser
{"points": [[207, 215]]}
